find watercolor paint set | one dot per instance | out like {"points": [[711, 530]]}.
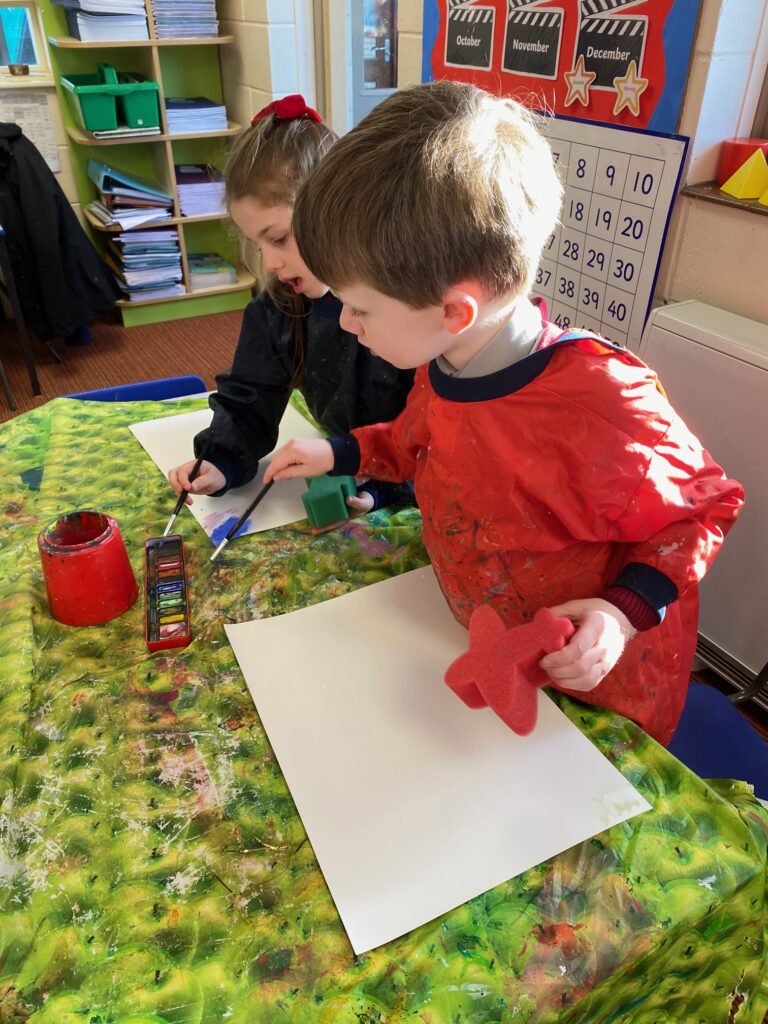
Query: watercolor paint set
{"points": [[165, 593]]}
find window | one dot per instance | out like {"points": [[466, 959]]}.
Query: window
{"points": [[17, 38], [22, 41], [380, 44]]}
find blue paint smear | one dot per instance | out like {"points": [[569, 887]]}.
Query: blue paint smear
{"points": [[32, 478], [677, 37], [429, 38], [221, 531]]}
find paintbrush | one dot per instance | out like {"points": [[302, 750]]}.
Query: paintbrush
{"points": [[183, 496], [232, 532]]}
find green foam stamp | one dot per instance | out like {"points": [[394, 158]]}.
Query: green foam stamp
{"points": [[325, 501]]}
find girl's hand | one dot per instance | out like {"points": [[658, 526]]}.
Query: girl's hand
{"points": [[208, 480], [300, 458], [602, 633], [361, 502]]}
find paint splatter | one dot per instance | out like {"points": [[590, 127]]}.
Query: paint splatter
{"points": [[32, 478], [220, 531]]}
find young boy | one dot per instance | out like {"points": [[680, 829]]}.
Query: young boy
{"points": [[550, 469]]}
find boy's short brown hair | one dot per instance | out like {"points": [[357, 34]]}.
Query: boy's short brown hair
{"points": [[440, 183]]}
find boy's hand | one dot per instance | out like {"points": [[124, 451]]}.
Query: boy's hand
{"points": [[361, 502], [208, 480], [602, 632], [300, 458]]}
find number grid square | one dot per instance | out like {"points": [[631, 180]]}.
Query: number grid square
{"points": [[598, 268]]}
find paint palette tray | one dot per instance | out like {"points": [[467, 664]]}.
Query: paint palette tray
{"points": [[166, 600]]}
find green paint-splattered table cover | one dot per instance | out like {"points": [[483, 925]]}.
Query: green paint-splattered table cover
{"points": [[154, 869]]}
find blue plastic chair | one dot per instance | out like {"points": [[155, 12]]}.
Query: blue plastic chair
{"points": [[149, 390], [717, 742]]}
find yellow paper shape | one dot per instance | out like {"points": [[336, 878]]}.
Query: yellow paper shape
{"points": [[763, 200], [751, 179]]}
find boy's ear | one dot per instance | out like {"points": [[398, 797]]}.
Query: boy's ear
{"points": [[460, 308]]}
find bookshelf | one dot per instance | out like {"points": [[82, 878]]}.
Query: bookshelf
{"points": [[181, 67]]}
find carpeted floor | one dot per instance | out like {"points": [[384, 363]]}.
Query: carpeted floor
{"points": [[117, 355]]}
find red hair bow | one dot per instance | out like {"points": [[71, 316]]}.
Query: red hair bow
{"points": [[289, 108]]}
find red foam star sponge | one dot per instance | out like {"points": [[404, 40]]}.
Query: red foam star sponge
{"points": [[501, 668]]}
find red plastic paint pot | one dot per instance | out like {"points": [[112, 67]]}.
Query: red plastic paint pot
{"points": [[87, 573]]}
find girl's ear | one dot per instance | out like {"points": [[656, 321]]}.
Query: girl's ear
{"points": [[460, 309]]}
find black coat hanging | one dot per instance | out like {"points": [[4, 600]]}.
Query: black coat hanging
{"points": [[60, 278]]}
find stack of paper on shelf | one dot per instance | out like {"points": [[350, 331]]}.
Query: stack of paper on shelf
{"points": [[125, 200], [195, 114], [93, 21], [179, 19], [146, 264], [209, 270], [98, 28], [201, 190]]}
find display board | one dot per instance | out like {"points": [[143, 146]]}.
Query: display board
{"points": [[600, 264], [613, 61], [29, 109]]}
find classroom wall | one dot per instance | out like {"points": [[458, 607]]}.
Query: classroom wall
{"points": [[410, 18], [272, 53], [713, 253], [65, 176]]}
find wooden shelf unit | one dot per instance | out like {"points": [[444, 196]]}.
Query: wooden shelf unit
{"points": [[85, 138], [154, 156], [69, 43]]}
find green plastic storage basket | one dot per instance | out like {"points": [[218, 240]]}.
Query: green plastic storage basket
{"points": [[106, 100]]}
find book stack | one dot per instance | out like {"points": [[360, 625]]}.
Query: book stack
{"points": [[195, 114], [126, 201], [201, 190], [209, 270], [146, 264], [95, 21], [180, 19]]}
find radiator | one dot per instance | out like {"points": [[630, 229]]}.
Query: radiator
{"points": [[714, 368]]}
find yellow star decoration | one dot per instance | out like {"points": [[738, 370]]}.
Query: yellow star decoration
{"points": [[629, 89], [579, 81]]}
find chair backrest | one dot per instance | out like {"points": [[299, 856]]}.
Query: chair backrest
{"points": [[715, 740], [151, 390]]}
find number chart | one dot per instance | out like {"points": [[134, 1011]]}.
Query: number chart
{"points": [[599, 267]]}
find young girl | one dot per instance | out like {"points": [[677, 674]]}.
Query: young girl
{"points": [[290, 336]]}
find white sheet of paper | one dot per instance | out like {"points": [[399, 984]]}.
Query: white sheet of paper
{"points": [[413, 802], [168, 442]]}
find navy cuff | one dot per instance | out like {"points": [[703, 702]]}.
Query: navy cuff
{"points": [[389, 495], [373, 488], [346, 456], [653, 586]]}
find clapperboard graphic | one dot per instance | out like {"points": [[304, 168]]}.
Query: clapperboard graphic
{"points": [[532, 40], [608, 44], [469, 35]]}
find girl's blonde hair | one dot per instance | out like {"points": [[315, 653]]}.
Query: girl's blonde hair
{"points": [[269, 161]]}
